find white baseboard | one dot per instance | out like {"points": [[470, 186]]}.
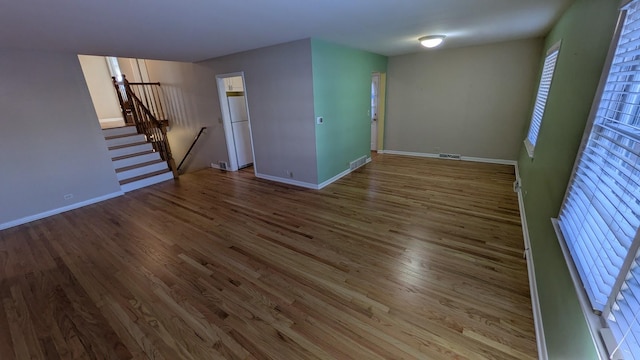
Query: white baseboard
{"points": [[533, 286], [463, 158], [45, 214], [107, 120], [341, 175], [333, 179], [310, 185], [287, 181]]}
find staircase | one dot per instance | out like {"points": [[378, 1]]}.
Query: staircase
{"points": [[136, 163]]}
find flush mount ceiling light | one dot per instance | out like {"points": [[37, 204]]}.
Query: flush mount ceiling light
{"points": [[431, 41]]}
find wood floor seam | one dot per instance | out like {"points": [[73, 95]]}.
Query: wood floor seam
{"points": [[404, 258]]}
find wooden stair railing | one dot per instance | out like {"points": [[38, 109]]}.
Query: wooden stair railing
{"points": [[137, 112]]}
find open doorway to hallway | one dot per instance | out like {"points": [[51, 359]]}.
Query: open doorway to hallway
{"points": [[375, 86], [378, 83], [236, 121]]}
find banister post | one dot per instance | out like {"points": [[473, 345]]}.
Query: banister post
{"points": [[120, 99]]}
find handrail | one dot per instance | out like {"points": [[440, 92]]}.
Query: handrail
{"points": [[144, 108], [202, 129], [148, 124], [150, 94]]}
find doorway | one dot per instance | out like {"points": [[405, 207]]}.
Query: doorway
{"points": [[375, 86], [378, 84], [236, 120]]}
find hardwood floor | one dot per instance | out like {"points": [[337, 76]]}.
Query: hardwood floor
{"points": [[406, 258]]}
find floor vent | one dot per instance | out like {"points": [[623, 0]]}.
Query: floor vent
{"points": [[449, 156], [357, 163], [222, 165]]}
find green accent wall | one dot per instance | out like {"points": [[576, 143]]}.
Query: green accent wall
{"points": [[342, 96], [586, 30]]}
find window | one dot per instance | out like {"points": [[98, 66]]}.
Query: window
{"points": [[114, 67], [600, 216], [541, 98]]}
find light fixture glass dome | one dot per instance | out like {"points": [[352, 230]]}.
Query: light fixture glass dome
{"points": [[431, 41]]}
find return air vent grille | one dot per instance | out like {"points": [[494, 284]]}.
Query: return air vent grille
{"points": [[357, 163], [449, 156]]}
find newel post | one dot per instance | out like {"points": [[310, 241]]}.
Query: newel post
{"points": [[123, 107]]}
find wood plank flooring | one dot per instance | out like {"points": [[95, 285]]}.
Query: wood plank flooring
{"points": [[406, 258]]}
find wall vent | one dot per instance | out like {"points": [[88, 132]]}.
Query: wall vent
{"points": [[357, 163], [449, 156], [222, 165]]}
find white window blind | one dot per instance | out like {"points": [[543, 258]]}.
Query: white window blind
{"points": [[600, 216], [541, 98]]}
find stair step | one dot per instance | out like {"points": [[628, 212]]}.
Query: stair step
{"points": [[119, 136], [126, 150], [115, 147], [136, 164], [134, 159], [141, 170], [139, 165], [119, 131], [145, 180], [133, 155], [125, 140]]}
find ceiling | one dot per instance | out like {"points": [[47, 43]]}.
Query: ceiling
{"points": [[193, 30]]}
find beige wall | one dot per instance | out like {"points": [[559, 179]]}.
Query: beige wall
{"points": [[103, 95], [280, 96], [279, 90], [191, 103], [127, 69], [50, 139], [473, 101]]}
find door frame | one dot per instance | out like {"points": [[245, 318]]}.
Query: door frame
{"points": [[226, 120], [373, 113], [382, 100]]}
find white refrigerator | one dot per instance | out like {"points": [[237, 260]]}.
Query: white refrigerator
{"points": [[240, 128]]}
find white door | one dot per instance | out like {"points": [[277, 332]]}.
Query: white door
{"points": [[374, 134]]}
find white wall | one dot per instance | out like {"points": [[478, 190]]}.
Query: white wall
{"points": [[50, 139], [100, 84], [191, 102], [279, 90], [473, 101]]}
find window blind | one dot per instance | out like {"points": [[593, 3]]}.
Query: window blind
{"points": [[541, 97], [600, 216]]}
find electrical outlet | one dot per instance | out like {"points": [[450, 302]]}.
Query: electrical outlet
{"points": [[319, 120], [68, 196]]}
